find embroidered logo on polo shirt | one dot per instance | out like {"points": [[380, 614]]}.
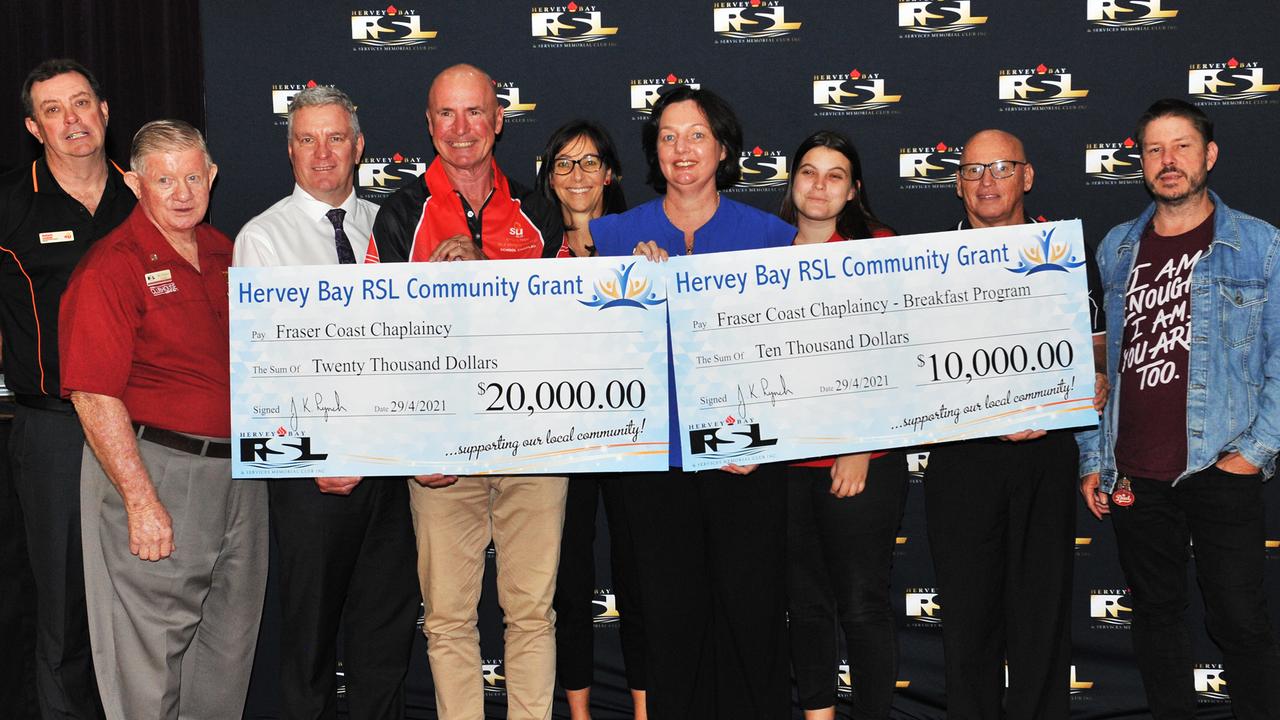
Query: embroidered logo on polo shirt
{"points": [[57, 236], [160, 282]]}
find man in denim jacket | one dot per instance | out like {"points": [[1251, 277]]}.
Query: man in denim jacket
{"points": [[1193, 424]]}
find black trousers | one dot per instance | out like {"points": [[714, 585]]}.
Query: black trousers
{"points": [[1224, 515], [839, 558], [17, 600], [710, 558], [1001, 524], [45, 448], [576, 583], [351, 562]]}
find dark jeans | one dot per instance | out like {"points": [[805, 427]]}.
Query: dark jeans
{"points": [[1223, 514], [350, 562], [1002, 532], [710, 559], [575, 583], [45, 449], [839, 557]]}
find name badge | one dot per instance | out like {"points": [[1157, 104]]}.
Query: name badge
{"points": [[57, 236], [159, 276]]}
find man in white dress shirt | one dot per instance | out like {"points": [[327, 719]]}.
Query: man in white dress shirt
{"points": [[347, 553]]}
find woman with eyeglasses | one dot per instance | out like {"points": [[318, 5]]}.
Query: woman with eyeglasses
{"points": [[709, 546], [842, 512], [581, 174]]}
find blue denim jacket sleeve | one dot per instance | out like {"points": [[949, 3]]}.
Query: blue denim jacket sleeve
{"points": [[1260, 441]]}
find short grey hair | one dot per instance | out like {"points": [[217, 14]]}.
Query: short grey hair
{"points": [[318, 95], [160, 136]]}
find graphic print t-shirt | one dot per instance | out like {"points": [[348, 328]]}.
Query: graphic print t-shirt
{"points": [[1151, 439]]}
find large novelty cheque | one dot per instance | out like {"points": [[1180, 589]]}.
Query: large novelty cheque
{"points": [[845, 347], [518, 366]]}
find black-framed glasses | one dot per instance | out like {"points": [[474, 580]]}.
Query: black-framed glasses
{"points": [[1000, 169], [588, 163]]}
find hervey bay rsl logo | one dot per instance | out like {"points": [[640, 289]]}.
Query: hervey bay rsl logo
{"points": [[1209, 683], [728, 440], [1043, 255], [281, 449], [928, 166], [495, 679], [938, 18], [1120, 15], [282, 95], [752, 21], [852, 93], [623, 290], [390, 28], [605, 608], [378, 177], [1233, 82], [1110, 608], [922, 608], [645, 92], [570, 25], [513, 109], [1113, 163], [1041, 87], [762, 169]]}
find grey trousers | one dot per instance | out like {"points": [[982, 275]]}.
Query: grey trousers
{"points": [[175, 638]]}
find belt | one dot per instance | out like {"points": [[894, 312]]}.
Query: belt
{"points": [[183, 443], [44, 402]]}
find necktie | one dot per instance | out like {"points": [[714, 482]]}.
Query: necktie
{"points": [[345, 256]]}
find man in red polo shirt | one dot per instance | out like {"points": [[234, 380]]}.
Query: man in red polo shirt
{"points": [[175, 552]]}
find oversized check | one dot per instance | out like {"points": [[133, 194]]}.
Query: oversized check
{"points": [[518, 366], [844, 347]]}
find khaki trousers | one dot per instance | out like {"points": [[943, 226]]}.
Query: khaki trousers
{"points": [[523, 516]]}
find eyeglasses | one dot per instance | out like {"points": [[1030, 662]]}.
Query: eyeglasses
{"points": [[1000, 169], [588, 163]]}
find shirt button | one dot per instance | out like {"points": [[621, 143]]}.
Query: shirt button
{"points": [[470, 214]]}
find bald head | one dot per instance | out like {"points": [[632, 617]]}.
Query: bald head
{"points": [[464, 118], [990, 201]]}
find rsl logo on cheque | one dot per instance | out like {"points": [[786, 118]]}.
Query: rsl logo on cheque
{"points": [[728, 439], [279, 449]]}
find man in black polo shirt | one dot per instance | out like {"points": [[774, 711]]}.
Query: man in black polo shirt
{"points": [[50, 213], [1001, 512]]}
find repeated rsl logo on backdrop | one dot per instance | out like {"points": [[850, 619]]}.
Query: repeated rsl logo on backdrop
{"points": [[280, 448], [1039, 88], [1209, 683], [844, 681], [853, 93], [928, 166], [752, 21], [645, 92], [495, 679], [570, 25], [604, 607], [1110, 609], [1078, 685], [389, 28], [921, 607], [378, 177], [1233, 82], [1115, 163], [939, 18], [513, 110], [1129, 15], [762, 169], [282, 95]]}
